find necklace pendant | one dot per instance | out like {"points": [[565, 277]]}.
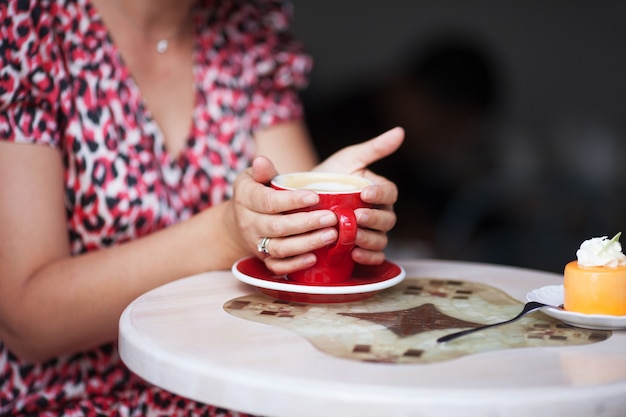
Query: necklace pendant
{"points": [[162, 45]]}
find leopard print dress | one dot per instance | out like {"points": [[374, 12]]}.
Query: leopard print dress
{"points": [[63, 84]]}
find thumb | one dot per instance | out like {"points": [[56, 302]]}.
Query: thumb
{"points": [[263, 170], [359, 156]]}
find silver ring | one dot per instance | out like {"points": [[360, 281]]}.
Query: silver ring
{"points": [[262, 246]]}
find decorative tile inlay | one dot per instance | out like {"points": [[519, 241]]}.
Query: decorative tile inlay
{"points": [[402, 324], [413, 320]]}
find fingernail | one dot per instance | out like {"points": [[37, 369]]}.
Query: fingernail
{"points": [[329, 236], [368, 194], [362, 217], [310, 199], [328, 220], [308, 260]]}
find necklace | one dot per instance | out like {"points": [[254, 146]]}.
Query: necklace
{"points": [[162, 43]]}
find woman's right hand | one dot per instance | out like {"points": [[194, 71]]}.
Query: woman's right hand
{"points": [[258, 212]]}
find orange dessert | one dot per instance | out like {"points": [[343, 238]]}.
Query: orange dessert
{"points": [[596, 282]]}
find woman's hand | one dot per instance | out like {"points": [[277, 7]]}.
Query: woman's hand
{"points": [[258, 213], [258, 210], [373, 223]]}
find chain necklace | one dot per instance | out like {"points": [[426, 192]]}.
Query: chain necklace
{"points": [[162, 43]]}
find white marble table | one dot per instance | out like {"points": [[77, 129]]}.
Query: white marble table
{"points": [[179, 337]]}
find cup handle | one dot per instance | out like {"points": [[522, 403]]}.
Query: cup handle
{"points": [[347, 228]]}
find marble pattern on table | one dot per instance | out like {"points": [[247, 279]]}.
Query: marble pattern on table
{"points": [[402, 324]]}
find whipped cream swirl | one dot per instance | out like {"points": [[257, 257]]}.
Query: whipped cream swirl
{"points": [[600, 251]]}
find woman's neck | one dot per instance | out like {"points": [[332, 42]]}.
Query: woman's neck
{"points": [[159, 18]]}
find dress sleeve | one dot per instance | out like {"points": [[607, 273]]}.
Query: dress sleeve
{"points": [[275, 65], [29, 74]]}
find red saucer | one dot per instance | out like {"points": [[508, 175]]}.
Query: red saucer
{"points": [[366, 281]]}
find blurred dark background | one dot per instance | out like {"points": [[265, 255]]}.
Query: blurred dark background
{"points": [[514, 113]]}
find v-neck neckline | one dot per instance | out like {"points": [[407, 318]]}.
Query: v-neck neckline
{"points": [[146, 120]]}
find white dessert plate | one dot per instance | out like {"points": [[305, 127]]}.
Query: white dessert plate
{"points": [[553, 295], [364, 283]]}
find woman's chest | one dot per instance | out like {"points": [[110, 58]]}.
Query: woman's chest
{"points": [[121, 181]]}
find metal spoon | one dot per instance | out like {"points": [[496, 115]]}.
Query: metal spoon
{"points": [[528, 308]]}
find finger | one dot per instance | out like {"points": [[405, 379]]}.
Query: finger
{"points": [[263, 170], [286, 266], [377, 219], [286, 247], [368, 257], [371, 240], [357, 157], [295, 223], [383, 193], [262, 199]]}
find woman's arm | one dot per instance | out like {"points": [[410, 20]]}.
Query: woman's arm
{"points": [[288, 146], [52, 303]]}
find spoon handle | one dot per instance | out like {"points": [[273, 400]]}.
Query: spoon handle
{"points": [[528, 308]]}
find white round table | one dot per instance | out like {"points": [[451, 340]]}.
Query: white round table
{"points": [[179, 337]]}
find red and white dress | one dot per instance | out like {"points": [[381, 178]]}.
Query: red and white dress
{"points": [[63, 84]]}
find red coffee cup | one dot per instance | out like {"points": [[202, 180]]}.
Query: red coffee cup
{"points": [[340, 193]]}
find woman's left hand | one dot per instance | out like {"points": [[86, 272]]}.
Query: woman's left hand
{"points": [[374, 223]]}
